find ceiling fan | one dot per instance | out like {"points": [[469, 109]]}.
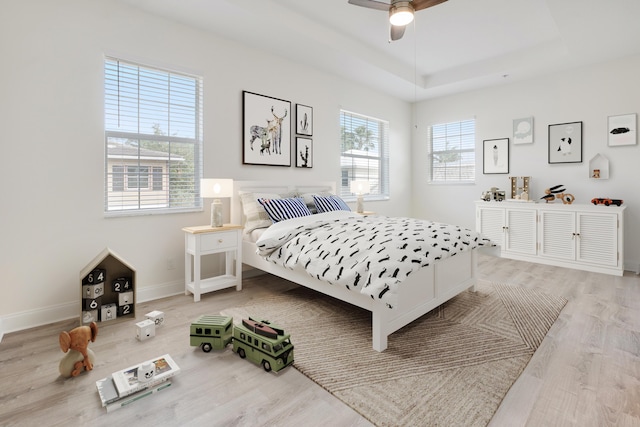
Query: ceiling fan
{"points": [[400, 12]]}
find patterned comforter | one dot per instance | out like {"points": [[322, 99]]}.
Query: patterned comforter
{"points": [[371, 255]]}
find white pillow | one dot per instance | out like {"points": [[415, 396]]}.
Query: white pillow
{"points": [[254, 214]]}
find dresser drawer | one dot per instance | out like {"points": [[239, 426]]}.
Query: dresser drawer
{"points": [[218, 241]]}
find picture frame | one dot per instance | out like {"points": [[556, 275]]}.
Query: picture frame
{"points": [[304, 120], [523, 131], [622, 130], [266, 130], [304, 152], [495, 159], [565, 143]]}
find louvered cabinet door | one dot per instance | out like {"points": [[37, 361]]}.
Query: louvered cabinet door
{"points": [[558, 234], [598, 238], [491, 222], [521, 231]]}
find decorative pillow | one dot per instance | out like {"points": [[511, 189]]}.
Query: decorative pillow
{"points": [[281, 209], [254, 214], [330, 203], [308, 199]]}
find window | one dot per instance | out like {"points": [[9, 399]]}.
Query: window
{"points": [[452, 152], [153, 139], [364, 154]]}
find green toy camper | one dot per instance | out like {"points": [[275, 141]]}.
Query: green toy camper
{"points": [[260, 341], [211, 332], [263, 343]]}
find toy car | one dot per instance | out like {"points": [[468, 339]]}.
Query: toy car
{"points": [[606, 201]]}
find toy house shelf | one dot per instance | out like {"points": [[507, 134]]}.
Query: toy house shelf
{"points": [[599, 167], [107, 289]]}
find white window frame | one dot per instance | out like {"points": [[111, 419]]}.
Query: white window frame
{"points": [[153, 119], [455, 141], [370, 163]]}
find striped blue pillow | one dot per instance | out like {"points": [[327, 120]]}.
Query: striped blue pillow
{"points": [[281, 209], [330, 203]]}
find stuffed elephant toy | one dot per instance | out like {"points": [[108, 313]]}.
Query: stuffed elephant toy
{"points": [[75, 343]]}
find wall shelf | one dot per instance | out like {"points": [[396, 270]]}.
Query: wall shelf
{"points": [[599, 167]]}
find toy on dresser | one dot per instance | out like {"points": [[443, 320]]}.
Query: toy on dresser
{"points": [[75, 343]]}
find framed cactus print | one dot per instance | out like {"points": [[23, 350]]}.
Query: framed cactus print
{"points": [[304, 152], [304, 120]]}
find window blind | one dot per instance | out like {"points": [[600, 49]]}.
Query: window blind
{"points": [[452, 152], [364, 154], [153, 139]]}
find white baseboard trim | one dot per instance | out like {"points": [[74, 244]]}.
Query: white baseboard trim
{"points": [[169, 289], [43, 316]]}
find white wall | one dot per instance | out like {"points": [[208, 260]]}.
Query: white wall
{"points": [[589, 94], [51, 116]]}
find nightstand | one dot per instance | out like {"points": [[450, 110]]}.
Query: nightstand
{"points": [[205, 240]]}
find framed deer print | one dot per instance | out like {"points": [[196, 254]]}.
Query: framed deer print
{"points": [[304, 120], [266, 130]]}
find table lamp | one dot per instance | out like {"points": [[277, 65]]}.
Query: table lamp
{"points": [[216, 189], [360, 187]]}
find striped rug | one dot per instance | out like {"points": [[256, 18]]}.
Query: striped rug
{"points": [[452, 367]]}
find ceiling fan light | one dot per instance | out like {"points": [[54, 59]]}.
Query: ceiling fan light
{"points": [[401, 15]]}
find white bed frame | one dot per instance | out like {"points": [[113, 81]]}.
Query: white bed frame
{"points": [[420, 293]]}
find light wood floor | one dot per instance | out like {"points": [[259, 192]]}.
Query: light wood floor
{"points": [[585, 373]]}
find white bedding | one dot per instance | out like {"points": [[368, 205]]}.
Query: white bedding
{"points": [[371, 255]]}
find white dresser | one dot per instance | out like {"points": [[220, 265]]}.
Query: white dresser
{"points": [[581, 236]]}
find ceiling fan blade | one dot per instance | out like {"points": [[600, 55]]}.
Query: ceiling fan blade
{"points": [[372, 4], [396, 32], [423, 4]]}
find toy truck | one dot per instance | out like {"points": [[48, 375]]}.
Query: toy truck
{"points": [[259, 341], [211, 332]]}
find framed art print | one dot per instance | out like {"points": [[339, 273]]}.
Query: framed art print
{"points": [[565, 143], [495, 156], [304, 152], [523, 130], [266, 130], [622, 130], [304, 120]]}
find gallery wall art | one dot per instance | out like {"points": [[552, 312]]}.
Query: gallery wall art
{"points": [[495, 156], [622, 130], [565, 143], [266, 130]]}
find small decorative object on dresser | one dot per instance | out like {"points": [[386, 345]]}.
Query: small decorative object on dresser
{"points": [[557, 192], [607, 201]]}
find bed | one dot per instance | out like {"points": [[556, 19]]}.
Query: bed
{"points": [[423, 290]]}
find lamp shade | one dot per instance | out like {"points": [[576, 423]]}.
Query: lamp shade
{"points": [[360, 187], [216, 188], [401, 14]]}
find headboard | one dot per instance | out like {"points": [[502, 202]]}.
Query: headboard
{"points": [[273, 187]]}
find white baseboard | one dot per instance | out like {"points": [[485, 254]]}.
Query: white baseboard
{"points": [[43, 316]]}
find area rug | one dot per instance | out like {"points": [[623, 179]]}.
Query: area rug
{"points": [[451, 367]]}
